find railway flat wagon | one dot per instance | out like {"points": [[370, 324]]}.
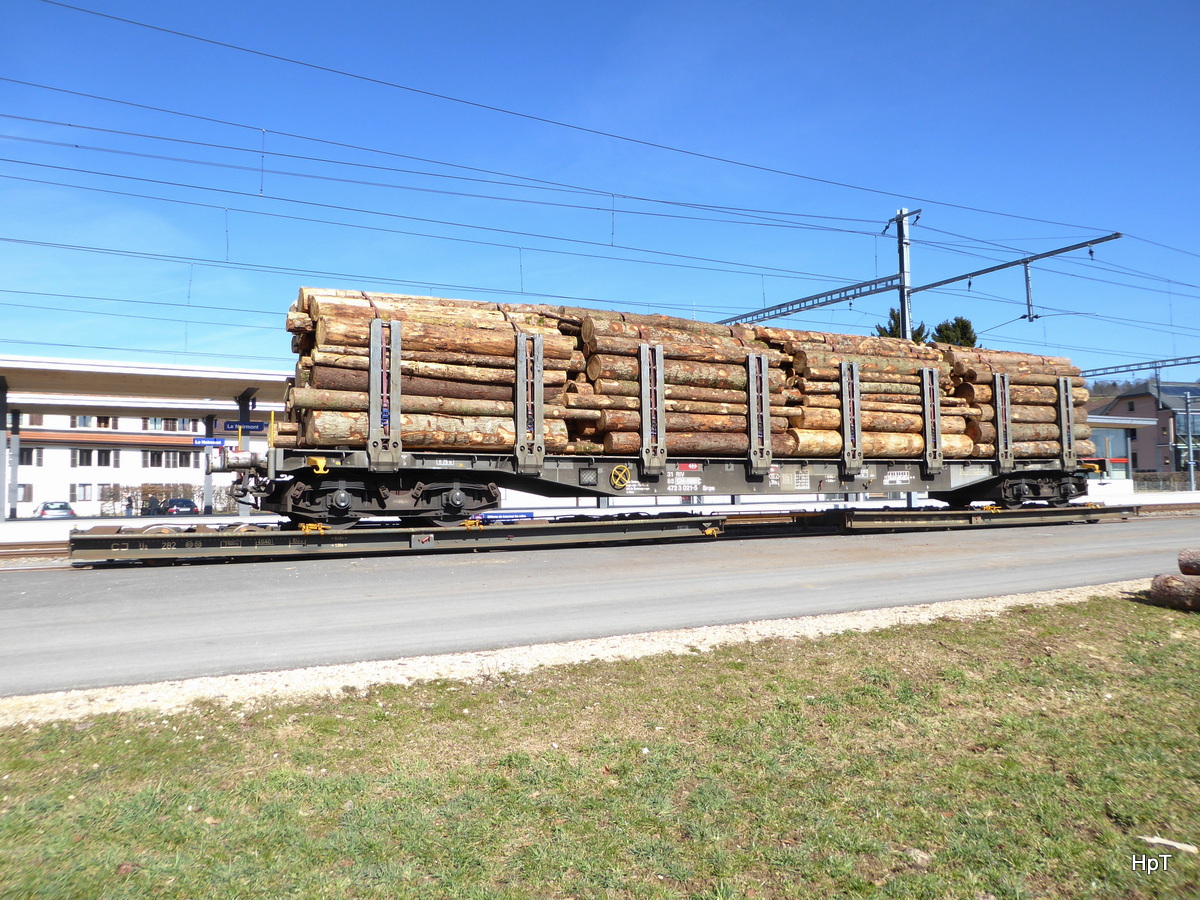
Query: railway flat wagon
{"points": [[423, 408]]}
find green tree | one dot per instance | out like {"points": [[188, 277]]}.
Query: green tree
{"points": [[920, 333], [957, 331]]}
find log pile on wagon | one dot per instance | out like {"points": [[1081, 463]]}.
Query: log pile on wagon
{"points": [[1033, 396], [459, 368]]}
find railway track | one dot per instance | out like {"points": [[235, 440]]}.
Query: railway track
{"points": [[161, 545], [34, 550]]}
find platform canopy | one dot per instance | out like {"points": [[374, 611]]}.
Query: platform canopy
{"points": [[81, 377]]}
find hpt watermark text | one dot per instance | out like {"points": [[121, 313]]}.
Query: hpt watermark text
{"points": [[1143, 862]]}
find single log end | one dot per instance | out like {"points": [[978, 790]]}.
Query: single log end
{"points": [[1189, 561], [1176, 592]]}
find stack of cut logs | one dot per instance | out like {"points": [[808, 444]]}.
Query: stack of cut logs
{"points": [[458, 372], [1033, 400], [705, 384], [891, 414]]}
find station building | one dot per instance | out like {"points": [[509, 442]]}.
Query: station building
{"points": [[96, 433], [1163, 408]]}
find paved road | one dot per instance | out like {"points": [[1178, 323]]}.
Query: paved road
{"points": [[84, 628]]}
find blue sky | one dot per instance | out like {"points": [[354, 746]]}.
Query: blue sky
{"points": [[173, 214]]}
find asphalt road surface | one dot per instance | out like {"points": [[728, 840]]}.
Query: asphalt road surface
{"points": [[84, 628]]}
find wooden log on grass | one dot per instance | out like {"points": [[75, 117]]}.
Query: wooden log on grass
{"points": [[1176, 592], [1189, 562]]}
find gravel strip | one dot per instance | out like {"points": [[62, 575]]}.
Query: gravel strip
{"points": [[34, 562], [266, 687]]}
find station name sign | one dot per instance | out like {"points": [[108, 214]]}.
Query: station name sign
{"points": [[245, 426]]}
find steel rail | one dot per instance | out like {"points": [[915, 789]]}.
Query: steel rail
{"points": [[33, 549]]}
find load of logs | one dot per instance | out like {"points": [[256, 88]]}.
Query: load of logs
{"points": [[458, 373]]}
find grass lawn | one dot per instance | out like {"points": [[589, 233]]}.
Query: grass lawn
{"points": [[1016, 757]]}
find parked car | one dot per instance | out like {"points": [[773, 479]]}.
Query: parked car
{"points": [[180, 506], [54, 509]]}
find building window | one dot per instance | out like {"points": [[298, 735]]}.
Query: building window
{"points": [[32, 418], [1131, 433], [1132, 405], [82, 421], [31, 456], [152, 459], [106, 421], [1133, 456], [170, 424], [81, 458], [179, 459], [80, 492], [108, 458], [24, 493], [152, 423]]}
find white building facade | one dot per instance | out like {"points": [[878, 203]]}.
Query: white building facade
{"points": [[109, 453]]}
